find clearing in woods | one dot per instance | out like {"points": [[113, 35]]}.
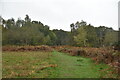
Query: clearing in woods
{"points": [[38, 64]]}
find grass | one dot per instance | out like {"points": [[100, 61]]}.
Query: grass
{"points": [[80, 67], [25, 64], [38, 65]]}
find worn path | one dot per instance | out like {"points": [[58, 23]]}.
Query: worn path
{"points": [[77, 67]]}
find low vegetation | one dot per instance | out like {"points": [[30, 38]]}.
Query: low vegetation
{"points": [[37, 64], [45, 62], [26, 64]]}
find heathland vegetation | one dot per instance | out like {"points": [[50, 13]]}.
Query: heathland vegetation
{"points": [[32, 50]]}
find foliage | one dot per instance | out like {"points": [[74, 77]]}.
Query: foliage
{"points": [[28, 32], [88, 35]]}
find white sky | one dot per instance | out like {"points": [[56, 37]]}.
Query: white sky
{"points": [[59, 14]]}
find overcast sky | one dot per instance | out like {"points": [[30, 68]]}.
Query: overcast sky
{"points": [[59, 14]]}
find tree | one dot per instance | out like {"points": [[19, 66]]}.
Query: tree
{"points": [[10, 23], [62, 37], [0, 35], [53, 38], [27, 32], [80, 38], [110, 38], [82, 23], [86, 36], [1, 20], [72, 26], [27, 19], [19, 22]]}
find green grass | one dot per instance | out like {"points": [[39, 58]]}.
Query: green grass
{"points": [[25, 64], [29, 64], [79, 67]]}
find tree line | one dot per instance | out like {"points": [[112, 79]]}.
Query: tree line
{"points": [[28, 32]]}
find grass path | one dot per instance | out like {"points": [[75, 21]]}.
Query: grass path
{"points": [[77, 67]]}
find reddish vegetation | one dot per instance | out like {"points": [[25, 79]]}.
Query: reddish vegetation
{"points": [[51, 65], [27, 48]]}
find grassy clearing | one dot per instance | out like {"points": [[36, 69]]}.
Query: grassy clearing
{"points": [[50, 65], [25, 64]]}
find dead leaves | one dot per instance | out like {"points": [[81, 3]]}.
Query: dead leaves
{"points": [[27, 48], [51, 65]]}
